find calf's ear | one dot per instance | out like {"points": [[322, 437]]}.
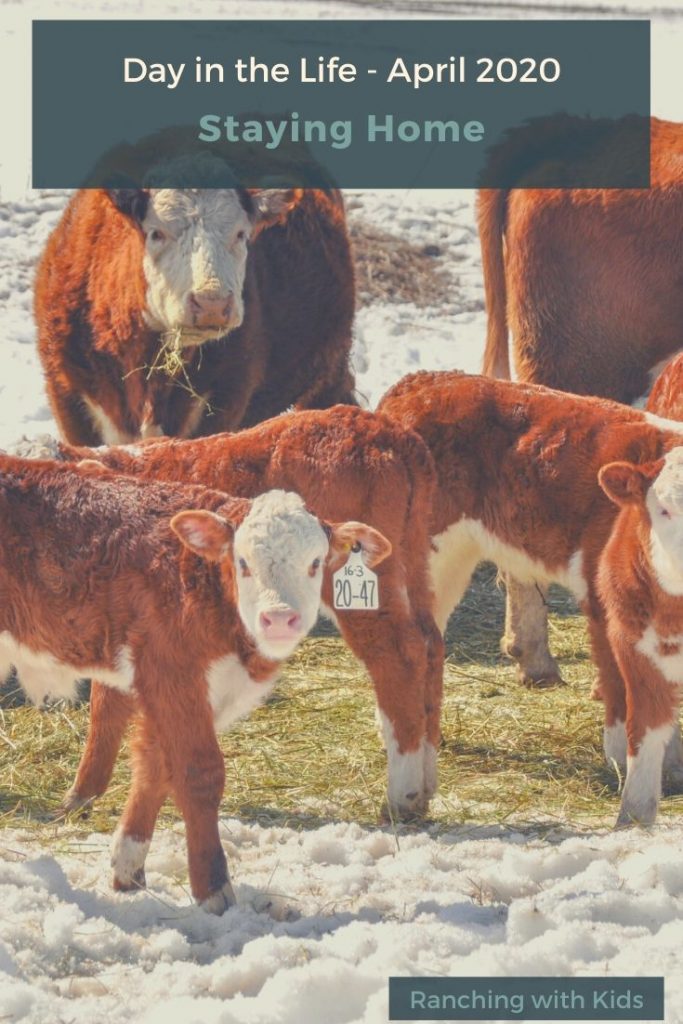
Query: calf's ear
{"points": [[205, 533], [345, 536], [625, 483]]}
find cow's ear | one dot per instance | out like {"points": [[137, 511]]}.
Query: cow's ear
{"points": [[344, 537], [131, 202], [625, 483], [205, 533], [271, 205]]}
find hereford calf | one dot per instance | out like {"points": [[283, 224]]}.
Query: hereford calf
{"points": [[640, 583], [345, 463], [95, 583], [517, 483]]}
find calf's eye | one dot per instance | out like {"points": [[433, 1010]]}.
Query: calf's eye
{"points": [[156, 235], [244, 568], [315, 565], [665, 513]]}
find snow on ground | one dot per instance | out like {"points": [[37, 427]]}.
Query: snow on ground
{"points": [[326, 915]]}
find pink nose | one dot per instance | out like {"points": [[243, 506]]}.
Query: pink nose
{"points": [[209, 309], [280, 625]]}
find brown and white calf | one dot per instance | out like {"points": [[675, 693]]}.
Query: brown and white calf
{"points": [[180, 597], [346, 463], [517, 484], [640, 584]]}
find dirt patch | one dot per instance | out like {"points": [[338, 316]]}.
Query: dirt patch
{"points": [[390, 269]]}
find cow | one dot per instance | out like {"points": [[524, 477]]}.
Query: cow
{"points": [[588, 284], [517, 483], [640, 585], [346, 463], [186, 312], [177, 596]]}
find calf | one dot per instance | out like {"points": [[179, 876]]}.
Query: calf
{"points": [[95, 583], [517, 483], [640, 584], [345, 463], [587, 284]]}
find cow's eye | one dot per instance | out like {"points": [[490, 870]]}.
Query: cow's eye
{"points": [[157, 235], [240, 236], [664, 512], [315, 565], [244, 568]]}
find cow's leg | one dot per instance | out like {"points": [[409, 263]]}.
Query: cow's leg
{"points": [[433, 699], [526, 634], [651, 717], [609, 687], [395, 652], [149, 788], [110, 713], [183, 721]]}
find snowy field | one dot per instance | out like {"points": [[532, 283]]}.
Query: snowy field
{"points": [[324, 916]]}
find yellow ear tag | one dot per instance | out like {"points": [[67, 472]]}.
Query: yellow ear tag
{"points": [[355, 587]]}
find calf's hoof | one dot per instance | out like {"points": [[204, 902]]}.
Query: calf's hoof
{"points": [[74, 802], [218, 902], [642, 814], [543, 680], [134, 882]]}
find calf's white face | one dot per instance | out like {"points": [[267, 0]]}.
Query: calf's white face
{"points": [[279, 552], [195, 254], [658, 488]]}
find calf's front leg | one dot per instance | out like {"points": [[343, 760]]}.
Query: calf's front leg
{"points": [[110, 713]]}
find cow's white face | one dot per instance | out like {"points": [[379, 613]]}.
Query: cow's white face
{"points": [[195, 261], [664, 503], [279, 551]]}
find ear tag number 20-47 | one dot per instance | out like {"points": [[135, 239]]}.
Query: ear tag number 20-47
{"points": [[355, 586]]}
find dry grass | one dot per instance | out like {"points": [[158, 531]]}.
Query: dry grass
{"points": [[312, 755], [390, 269]]}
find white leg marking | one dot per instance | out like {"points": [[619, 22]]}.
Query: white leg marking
{"points": [[405, 787], [643, 787], [614, 743], [128, 859]]}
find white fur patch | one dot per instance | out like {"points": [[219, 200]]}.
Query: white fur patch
{"points": [[614, 743], [663, 424], [670, 665], [643, 787], [106, 427], [127, 856], [406, 772], [232, 692], [43, 676], [279, 541], [464, 544], [196, 243]]}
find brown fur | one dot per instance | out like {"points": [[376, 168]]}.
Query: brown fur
{"points": [[89, 565], [589, 280], [666, 397]]}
